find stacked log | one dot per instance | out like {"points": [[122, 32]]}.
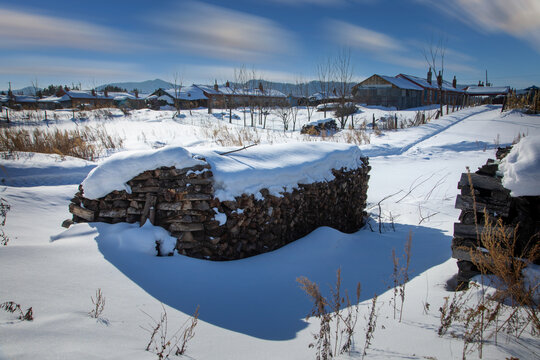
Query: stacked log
{"points": [[182, 201], [483, 197]]}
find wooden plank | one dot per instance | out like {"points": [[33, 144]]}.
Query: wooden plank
{"points": [[83, 213], [481, 182], [469, 231], [466, 203], [186, 227], [113, 213], [150, 203]]}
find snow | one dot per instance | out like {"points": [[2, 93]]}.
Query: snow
{"points": [[521, 167], [251, 308], [116, 171], [278, 168]]}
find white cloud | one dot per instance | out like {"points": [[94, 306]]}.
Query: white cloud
{"points": [[20, 29], [361, 38], [519, 18], [222, 33], [67, 67], [209, 73], [322, 2]]}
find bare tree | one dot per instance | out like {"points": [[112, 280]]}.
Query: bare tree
{"points": [[303, 92], [343, 72], [241, 86], [324, 72], [177, 89], [434, 55], [283, 111]]}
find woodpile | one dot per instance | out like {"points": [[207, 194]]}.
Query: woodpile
{"points": [[182, 201], [490, 199], [318, 127]]}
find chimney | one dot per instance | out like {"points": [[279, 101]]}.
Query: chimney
{"points": [[106, 93], [93, 92], [261, 87], [454, 82], [136, 93], [439, 79], [429, 74], [215, 85], [227, 84]]}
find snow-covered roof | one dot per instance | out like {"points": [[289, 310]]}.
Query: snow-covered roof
{"points": [[239, 91], [274, 167], [401, 83], [187, 93], [86, 94], [426, 85], [53, 99], [487, 90], [25, 99], [322, 96]]}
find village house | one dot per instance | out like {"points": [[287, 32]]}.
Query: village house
{"points": [[388, 91], [435, 91], [188, 97]]}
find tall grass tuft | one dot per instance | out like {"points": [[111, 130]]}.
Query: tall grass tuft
{"points": [[86, 143]]}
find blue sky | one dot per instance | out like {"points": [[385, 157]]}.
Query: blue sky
{"points": [[96, 42]]}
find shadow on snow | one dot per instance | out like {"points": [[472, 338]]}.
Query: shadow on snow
{"points": [[259, 296]]}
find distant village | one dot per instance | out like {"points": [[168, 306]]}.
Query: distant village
{"points": [[401, 92]]}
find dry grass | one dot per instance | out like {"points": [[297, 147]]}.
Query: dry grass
{"points": [[225, 136], [86, 143], [337, 325]]}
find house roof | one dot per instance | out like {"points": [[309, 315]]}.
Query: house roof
{"points": [[446, 86], [487, 90], [54, 99], [24, 99], [187, 93], [226, 90], [401, 83], [86, 94]]}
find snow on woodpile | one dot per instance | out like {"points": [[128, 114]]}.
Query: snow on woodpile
{"points": [[277, 168], [116, 171], [521, 167]]}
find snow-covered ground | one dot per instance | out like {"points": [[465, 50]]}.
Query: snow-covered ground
{"points": [[251, 308]]}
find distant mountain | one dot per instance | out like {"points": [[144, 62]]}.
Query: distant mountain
{"points": [[145, 87], [29, 90]]}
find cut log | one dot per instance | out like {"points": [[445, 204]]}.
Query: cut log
{"points": [[83, 213], [113, 213], [150, 203], [466, 203], [469, 231], [186, 227], [481, 182]]}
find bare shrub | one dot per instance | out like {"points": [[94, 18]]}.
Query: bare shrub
{"points": [[4, 208], [163, 344], [99, 305], [371, 325], [400, 276], [13, 307], [87, 143], [337, 326], [225, 136]]}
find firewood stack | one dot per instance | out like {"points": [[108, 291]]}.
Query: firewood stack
{"points": [[183, 202], [495, 202]]}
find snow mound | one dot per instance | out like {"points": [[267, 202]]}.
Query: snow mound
{"points": [[278, 167], [116, 171], [521, 167]]}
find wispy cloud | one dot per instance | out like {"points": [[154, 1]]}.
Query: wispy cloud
{"points": [[322, 2], [519, 18], [387, 49], [362, 38], [209, 73], [67, 67], [222, 33], [21, 29]]}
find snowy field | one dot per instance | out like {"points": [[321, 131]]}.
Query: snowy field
{"points": [[251, 308]]}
